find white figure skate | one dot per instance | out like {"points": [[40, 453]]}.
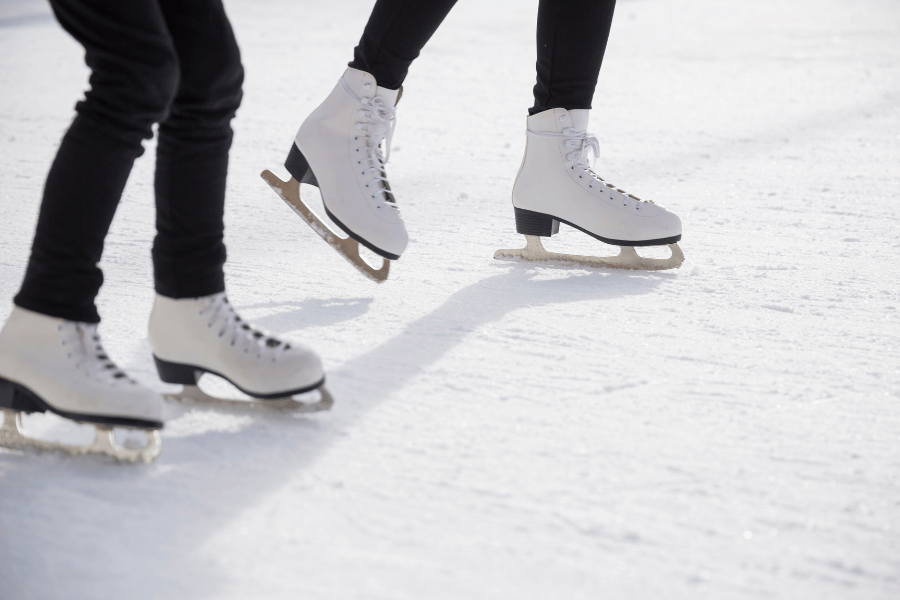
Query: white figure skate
{"points": [[556, 184], [342, 148], [193, 336], [49, 364]]}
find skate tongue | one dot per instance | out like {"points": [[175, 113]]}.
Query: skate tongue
{"points": [[580, 118], [389, 95]]}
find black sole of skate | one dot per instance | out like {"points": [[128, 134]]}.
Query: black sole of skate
{"points": [[16, 396], [299, 168], [529, 222], [179, 373]]}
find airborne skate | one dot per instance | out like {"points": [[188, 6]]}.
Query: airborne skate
{"points": [[193, 336], [49, 364], [342, 149], [556, 184]]}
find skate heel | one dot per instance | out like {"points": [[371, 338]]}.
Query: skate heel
{"points": [[298, 167], [15, 397], [529, 222], [171, 372]]}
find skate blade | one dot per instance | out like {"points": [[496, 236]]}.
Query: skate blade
{"points": [[626, 259], [289, 191], [194, 396], [104, 444]]}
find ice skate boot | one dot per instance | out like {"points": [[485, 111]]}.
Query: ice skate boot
{"points": [[50, 364], [193, 336], [556, 184], [342, 148]]}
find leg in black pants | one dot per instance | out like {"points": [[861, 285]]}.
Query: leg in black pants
{"points": [[571, 41], [192, 153], [150, 62], [396, 32]]}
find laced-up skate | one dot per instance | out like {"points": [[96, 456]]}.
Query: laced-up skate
{"points": [[342, 148], [557, 183], [49, 364], [193, 336]]}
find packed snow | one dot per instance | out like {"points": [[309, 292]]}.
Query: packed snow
{"points": [[503, 429]]}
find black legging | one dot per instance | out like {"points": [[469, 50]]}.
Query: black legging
{"points": [[170, 62], [571, 40]]}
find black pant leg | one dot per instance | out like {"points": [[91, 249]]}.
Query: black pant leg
{"points": [[133, 78], [192, 153], [396, 32], [571, 41]]}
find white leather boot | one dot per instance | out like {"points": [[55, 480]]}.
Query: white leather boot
{"points": [[343, 147], [57, 365], [556, 184], [193, 336]]}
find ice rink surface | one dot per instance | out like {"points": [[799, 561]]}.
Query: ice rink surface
{"points": [[502, 430]]}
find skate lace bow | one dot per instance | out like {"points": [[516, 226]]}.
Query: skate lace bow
{"points": [[83, 344], [582, 141], [381, 121], [222, 315]]}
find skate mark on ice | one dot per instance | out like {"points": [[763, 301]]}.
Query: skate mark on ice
{"points": [[423, 342]]}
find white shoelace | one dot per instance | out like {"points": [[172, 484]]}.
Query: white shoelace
{"points": [[249, 340], [82, 344], [381, 121], [581, 141]]}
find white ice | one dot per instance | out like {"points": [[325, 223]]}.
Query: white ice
{"points": [[501, 430]]}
